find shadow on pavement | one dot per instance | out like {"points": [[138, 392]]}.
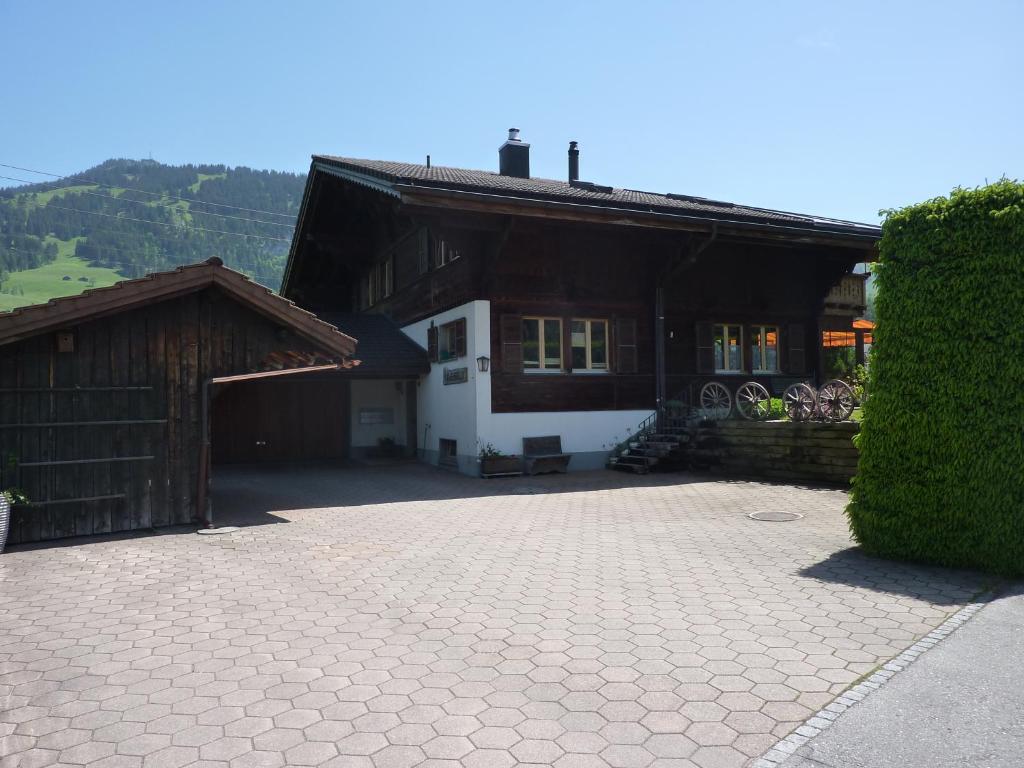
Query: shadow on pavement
{"points": [[854, 568]]}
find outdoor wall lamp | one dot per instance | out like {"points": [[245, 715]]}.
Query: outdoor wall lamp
{"points": [[483, 364]]}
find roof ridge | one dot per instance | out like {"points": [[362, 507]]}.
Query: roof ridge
{"points": [[23, 322], [470, 179]]}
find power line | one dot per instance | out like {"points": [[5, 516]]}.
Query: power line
{"points": [[166, 205], [135, 265], [165, 224], [143, 191]]}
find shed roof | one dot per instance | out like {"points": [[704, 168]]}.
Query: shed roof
{"points": [[383, 348], [461, 179], [24, 322]]}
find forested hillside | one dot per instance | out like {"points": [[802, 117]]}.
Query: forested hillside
{"points": [[125, 218]]}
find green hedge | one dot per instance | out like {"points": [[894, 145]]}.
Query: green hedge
{"points": [[941, 474]]}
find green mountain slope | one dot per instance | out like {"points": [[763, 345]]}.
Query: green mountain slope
{"points": [[125, 218]]}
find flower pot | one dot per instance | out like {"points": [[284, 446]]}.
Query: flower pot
{"points": [[5, 519], [501, 465]]}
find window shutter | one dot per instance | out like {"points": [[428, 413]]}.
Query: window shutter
{"points": [[705, 348], [625, 345], [460, 337], [795, 344], [511, 344], [432, 343]]}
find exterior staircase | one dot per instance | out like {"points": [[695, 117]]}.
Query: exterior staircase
{"points": [[659, 444]]}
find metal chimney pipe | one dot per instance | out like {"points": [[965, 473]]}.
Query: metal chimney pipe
{"points": [[574, 162]]}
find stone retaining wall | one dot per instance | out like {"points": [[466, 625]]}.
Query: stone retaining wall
{"points": [[784, 450]]}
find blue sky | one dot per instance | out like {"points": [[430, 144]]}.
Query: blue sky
{"points": [[831, 108]]}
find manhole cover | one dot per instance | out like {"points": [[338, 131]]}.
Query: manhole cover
{"points": [[775, 517]]}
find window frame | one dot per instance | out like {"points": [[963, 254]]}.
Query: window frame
{"points": [[541, 341], [445, 252], [448, 332], [725, 350], [380, 282], [759, 358], [588, 345]]}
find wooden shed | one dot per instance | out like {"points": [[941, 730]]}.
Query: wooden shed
{"points": [[104, 396]]}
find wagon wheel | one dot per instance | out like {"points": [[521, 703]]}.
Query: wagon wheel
{"points": [[799, 402], [715, 400], [753, 401], [835, 400]]}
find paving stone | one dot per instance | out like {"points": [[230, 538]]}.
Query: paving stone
{"points": [[411, 617]]}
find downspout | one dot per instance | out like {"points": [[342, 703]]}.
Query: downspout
{"points": [[661, 375]]}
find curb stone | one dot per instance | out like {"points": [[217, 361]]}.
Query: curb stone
{"points": [[822, 719]]}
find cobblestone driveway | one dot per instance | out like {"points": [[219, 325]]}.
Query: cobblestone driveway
{"points": [[404, 616]]}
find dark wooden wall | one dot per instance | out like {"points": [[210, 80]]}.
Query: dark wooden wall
{"points": [[552, 268], [750, 285], [131, 389], [293, 418], [576, 272]]}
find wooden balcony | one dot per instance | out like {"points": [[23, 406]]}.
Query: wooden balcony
{"points": [[848, 297]]}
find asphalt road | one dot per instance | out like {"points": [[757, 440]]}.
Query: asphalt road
{"points": [[960, 704]]}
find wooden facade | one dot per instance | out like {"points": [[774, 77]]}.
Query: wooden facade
{"points": [[100, 418], [569, 266]]}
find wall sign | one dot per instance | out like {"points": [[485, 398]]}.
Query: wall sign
{"points": [[456, 375], [376, 415]]}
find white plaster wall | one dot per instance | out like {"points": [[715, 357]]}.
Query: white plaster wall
{"points": [[377, 393], [463, 411], [451, 410], [590, 432]]}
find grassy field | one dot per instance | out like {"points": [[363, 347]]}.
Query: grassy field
{"points": [[36, 286]]}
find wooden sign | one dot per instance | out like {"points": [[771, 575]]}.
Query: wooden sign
{"points": [[456, 375]]}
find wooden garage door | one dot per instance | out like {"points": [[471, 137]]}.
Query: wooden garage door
{"points": [[284, 419]]}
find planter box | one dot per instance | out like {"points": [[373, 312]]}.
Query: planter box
{"points": [[493, 466]]}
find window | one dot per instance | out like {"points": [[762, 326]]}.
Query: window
{"points": [[451, 341], [444, 252], [764, 348], [380, 282], [448, 452], [728, 348], [590, 345], [542, 344]]}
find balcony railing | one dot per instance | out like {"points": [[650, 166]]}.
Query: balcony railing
{"points": [[850, 294]]}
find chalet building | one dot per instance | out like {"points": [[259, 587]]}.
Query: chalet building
{"points": [[563, 308]]}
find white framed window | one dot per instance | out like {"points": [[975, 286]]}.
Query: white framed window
{"points": [[380, 282], [728, 348], [444, 252], [542, 344], [451, 341], [589, 345], [764, 348]]}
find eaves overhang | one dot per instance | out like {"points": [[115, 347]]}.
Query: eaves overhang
{"points": [[364, 179], [430, 195]]}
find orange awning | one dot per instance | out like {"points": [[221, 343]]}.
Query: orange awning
{"points": [[848, 338]]}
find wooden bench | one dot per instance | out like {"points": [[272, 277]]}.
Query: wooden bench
{"points": [[544, 454]]}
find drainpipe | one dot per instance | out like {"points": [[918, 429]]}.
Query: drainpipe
{"points": [[670, 271], [659, 347]]}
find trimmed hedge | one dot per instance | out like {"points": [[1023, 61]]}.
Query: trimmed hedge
{"points": [[941, 471]]}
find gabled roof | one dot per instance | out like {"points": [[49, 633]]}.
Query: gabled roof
{"points": [[25, 322], [383, 348], [396, 175]]}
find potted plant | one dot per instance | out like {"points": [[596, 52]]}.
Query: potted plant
{"points": [[387, 448], [494, 462], [8, 499]]}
